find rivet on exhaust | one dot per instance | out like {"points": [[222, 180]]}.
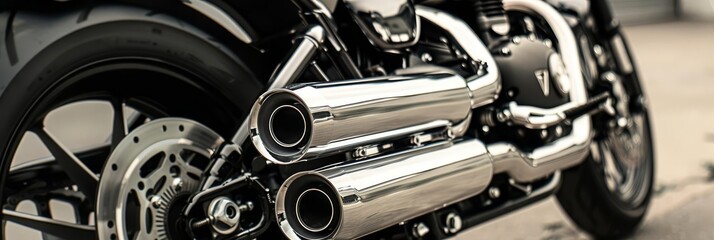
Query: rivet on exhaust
{"points": [[453, 223], [420, 230]]}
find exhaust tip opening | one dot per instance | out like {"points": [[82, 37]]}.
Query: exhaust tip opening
{"points": [[314, 210], [281, 126], [310, 206], [287, 126]]}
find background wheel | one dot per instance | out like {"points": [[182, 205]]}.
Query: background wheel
{"points": [[606, 197], [125, 66]]}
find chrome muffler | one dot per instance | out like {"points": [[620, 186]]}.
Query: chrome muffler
{"points": [[308, 120], [350, 200], [353, 199]]}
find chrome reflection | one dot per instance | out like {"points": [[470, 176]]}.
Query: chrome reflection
{"points": [[371, 193], [484, 88], [347, 114]]}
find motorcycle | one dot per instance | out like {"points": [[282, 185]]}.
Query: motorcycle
{"points": [[309, 119]]}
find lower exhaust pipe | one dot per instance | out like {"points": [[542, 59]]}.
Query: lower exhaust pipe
{"points": [[351, 200]]}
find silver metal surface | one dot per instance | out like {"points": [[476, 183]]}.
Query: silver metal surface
{"points": [[224, 215], [348, 114], [557, 71], [125, 175], [569, 150], [535, 117], [219, 16], [494, 192], [420, 230], [388, 24], [376, 193], [453, 223], [484, 88]]}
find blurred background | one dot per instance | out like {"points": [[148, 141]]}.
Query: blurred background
{"points": [[671, 41]]}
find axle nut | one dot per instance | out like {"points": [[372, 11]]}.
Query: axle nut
{"points": [[224, 215]]}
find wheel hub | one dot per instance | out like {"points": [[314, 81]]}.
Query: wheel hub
{"points": [[150, 175]]}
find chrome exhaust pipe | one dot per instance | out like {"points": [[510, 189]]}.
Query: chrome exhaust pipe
{"points": [[351, 200], [308, 120]]}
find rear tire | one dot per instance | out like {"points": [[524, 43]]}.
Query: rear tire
{"points": [[126, 56]]}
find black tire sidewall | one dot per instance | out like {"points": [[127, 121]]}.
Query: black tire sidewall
{"points": [[189, 51]]}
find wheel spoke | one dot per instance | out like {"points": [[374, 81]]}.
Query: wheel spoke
{"points": [[135, 120], [85, 179], [57, 228], [43, 210], [119, 125]]}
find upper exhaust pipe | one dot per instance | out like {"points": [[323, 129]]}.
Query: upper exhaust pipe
{"points": [[306, 121], [351, 200]]}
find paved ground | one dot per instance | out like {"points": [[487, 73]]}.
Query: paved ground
{"points": [[675, 64]]}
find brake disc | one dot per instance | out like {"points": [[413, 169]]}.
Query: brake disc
{"points": [[148, 178]]}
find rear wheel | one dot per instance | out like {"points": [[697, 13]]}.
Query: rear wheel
{"points": [[76, 99]]}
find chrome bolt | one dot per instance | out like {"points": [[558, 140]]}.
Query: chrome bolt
{"points": [[610, 76], [597, 49], [453, 223], [505, 51], [224, 215], [558, 131], [516, 40], [426, 57], [485, 128], [503, 116], [178, 184], [155, 201], [420, 230], [494, 192], [543, 134]]}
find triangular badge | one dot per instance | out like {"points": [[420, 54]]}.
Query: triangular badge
{"points": [[543, 80]]}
